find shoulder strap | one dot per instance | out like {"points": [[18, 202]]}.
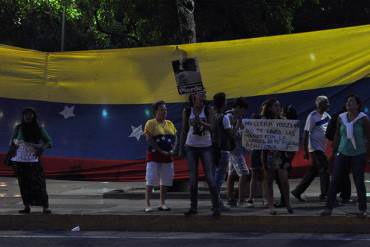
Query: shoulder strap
{"points": [[206, 110], [16, 130], [188, 111]]}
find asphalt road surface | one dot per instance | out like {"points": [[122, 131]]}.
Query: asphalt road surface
{"points": [[138, 239]]}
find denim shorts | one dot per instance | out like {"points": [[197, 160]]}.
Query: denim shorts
{"points": [[237, 165]]}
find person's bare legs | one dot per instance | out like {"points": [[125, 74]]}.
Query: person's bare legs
{"points": [[148, 195], [230, 187], [268, 189], [242, 187], [284, 184], [252, 186], [257, 178], [163, 191]]}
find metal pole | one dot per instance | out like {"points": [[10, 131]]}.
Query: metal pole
{"points": [[63, 28]]}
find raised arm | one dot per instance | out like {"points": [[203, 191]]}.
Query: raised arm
{"points": [[184, 132]]}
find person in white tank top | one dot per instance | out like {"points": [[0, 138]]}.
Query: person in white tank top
{"points": [[198, 134], [196, 140]]}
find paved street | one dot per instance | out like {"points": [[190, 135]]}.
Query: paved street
{"points": [[113, 239]]}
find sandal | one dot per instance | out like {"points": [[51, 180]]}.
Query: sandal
{"points": [[272, 212], [164, 208]]}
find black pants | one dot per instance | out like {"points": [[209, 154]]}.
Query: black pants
{"points": [[344, 187], [357, 165], [319, 166], [32, 184]]}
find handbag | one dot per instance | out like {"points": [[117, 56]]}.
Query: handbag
{"points": [[12, 149], [10, 154]]}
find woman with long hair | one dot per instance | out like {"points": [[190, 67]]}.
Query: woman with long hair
{"points": [[289, 113], [274, 162], [31, 140], [196, 140]]}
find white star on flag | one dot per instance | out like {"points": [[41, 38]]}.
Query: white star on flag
{"points": [[68, 112], [137, 132]]}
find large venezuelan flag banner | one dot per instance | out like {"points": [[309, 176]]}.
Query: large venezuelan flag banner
{"points": [[94, 104]]}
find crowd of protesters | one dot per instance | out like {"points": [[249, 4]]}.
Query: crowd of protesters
{"points": [[211, 135]]}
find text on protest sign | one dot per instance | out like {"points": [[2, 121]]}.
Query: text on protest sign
{"points": [[271, 134]]}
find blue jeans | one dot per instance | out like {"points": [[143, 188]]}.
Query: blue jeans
{"points": [[194, 154], [222, 163], [357, 165]]}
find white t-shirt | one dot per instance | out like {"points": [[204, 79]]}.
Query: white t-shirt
{"points": [[226, 122], [194, 140], [316, 125], [227, 125]]}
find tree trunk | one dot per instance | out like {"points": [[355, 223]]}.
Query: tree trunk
{"points": [[185, 9]]}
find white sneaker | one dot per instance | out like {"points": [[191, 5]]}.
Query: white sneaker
{"points": [[164, 208], [148, 210]]}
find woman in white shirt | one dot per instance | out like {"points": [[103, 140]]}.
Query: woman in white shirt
{"points": [[197, 142]]}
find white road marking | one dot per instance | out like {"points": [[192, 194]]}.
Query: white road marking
{"points": [[194, 237]]}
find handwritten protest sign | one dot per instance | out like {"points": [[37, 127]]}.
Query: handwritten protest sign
{"points": [[271, 134]]}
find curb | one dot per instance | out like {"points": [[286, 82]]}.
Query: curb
{"points": [[118, 194], [179, 223]]}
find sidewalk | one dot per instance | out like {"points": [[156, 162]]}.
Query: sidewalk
{"points": [[82, 203]]}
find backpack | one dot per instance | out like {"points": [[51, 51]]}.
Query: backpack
{"points": [[332, 127], [221, 140]]}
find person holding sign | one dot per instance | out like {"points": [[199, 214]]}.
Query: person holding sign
{"points": [[256, 172], [197, 142], [161, 136], [315, 146], [351, 147], [289, 113], [274, 162]]}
